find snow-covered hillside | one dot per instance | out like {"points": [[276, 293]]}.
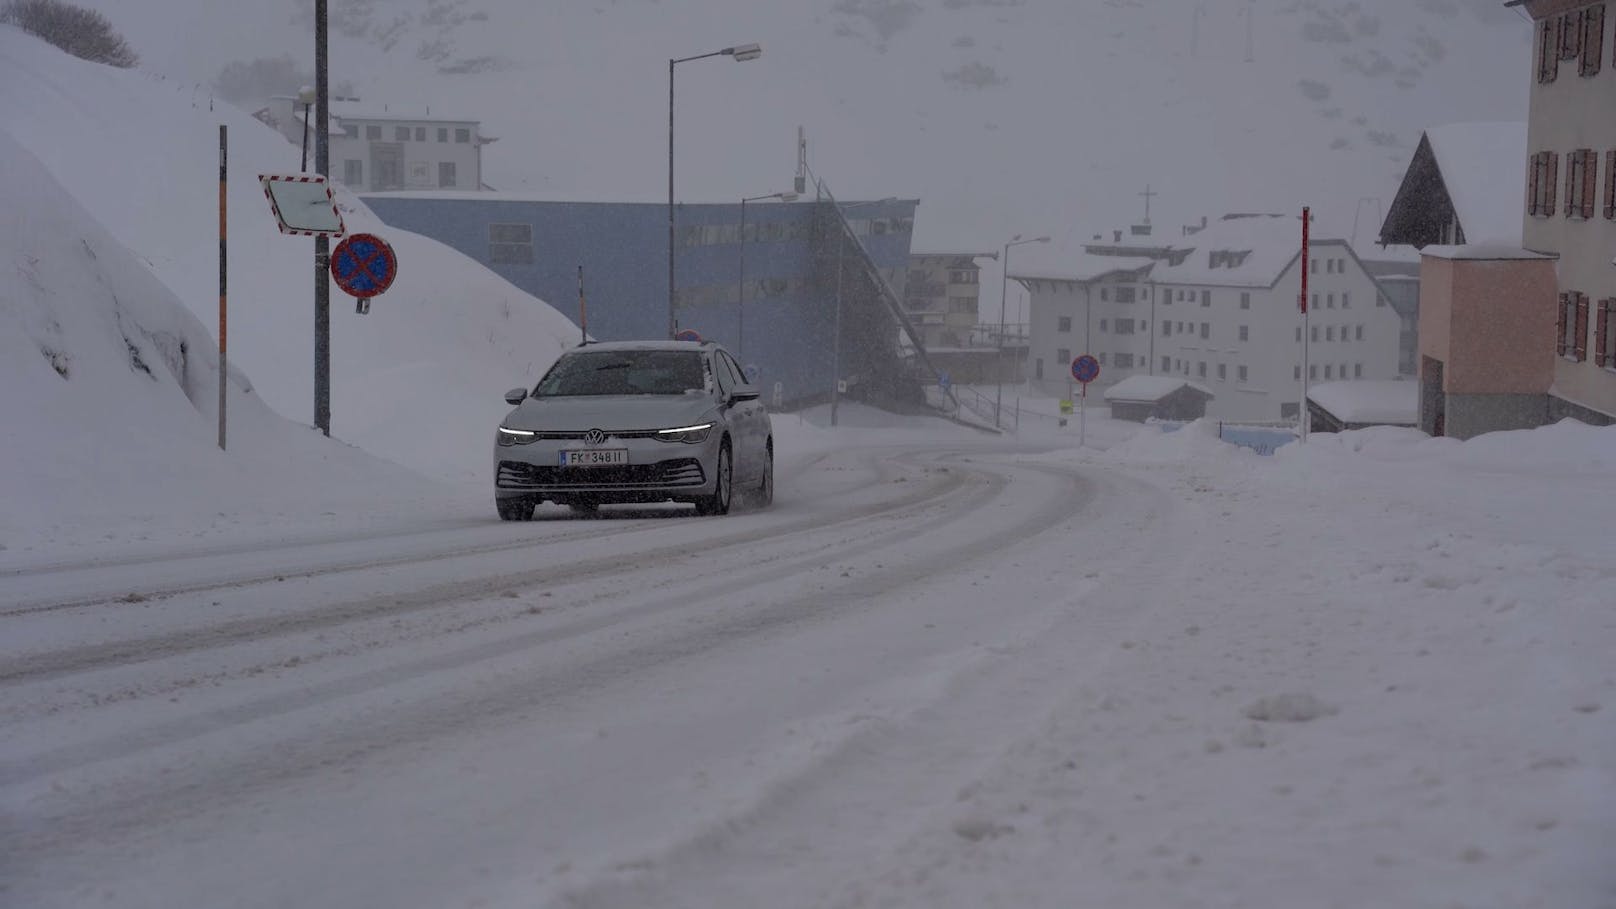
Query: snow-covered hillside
{"points": [[418, 381], [109, 390], [1004, 116]]}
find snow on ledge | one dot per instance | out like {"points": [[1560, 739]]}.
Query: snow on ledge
{"points": [[1484, 251]]}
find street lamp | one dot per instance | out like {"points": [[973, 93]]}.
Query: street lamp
{"points": [[740, 53], [305, 96], [740, 306], [1004, 301], [836, 341]]}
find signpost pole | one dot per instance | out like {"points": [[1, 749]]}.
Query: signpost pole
{"points": [[1302, 301], [322, 243], [224, 147], [1082, 411]]}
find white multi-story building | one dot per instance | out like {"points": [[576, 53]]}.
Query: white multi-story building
{"points": [[1219, 307], [382, 147], [1571, 196]]}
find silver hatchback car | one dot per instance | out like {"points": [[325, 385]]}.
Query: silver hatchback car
{"points": [[635, 421]]}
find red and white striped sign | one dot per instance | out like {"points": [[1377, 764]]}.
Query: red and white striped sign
{"points": [[303, 205]]}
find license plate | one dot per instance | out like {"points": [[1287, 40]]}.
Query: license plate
{"points": [[594, 457]]}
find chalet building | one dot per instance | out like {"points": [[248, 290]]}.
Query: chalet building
{"points": [[386, 147]]}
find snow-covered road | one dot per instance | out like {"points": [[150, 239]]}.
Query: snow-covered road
{"points": [[468, 711]]}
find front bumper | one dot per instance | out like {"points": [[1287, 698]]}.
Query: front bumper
{"points": [[655, 471]]}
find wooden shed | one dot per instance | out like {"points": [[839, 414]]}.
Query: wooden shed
{"points": [[1139, 398]]}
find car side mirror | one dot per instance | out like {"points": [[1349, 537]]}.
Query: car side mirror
{"points": [[515, 396], [744, 393]]}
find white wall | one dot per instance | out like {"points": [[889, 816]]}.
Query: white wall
{"points": [[421, 158]]}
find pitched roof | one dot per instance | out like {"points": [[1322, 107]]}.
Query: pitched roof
{"points": [[1481, 166], [1394, 401], [1151, 388], [1252, 251]]}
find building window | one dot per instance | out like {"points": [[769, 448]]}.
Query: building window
{"points": [[353, 173], [1582, 184], [1167, 329], [462, 135], [1548, 49], [446, 173], [1296, 373], [1245, 333], [1605, 335], [1062, 355], [1223, 372], [1125, 326], [1123, 361], [1206, 298], [1312, 373], [1240, 373], [1064, 324], [350, 130], [1329, 333], [1571, 340], [1200, 369], [1327, 372], [510, 244], [1357, 370], [1101, 359], [401, 134], [1103, 325], [1038, 368], [1124, 295], [1313, 334], [1167, 364], [1105, 294], [1314, 266], [1346, 301], [1298, 334], [1358, 333], [443, 134], [1329, 301], [373, 132], [1543, 177], [420, 134], [1245, 301]]}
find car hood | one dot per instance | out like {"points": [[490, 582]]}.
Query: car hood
{"points": [[610, 412]]}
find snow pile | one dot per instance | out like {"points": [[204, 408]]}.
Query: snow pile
{"points": [[1196, 441], [419, 380], [110, 388]]}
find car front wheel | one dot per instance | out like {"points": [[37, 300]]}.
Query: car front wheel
{"points": [[723, 485], [515, 509]]}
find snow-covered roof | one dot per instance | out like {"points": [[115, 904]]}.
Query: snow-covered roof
{"points": [[945, 254], [1151, 388], [1484, 251], [1481, 167], [1083, 268], [347, 109], [1261, 247], [1386, 401]]}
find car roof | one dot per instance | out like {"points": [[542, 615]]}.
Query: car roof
{"points": [[608, 346]]}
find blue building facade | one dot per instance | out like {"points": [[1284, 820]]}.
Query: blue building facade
{"points": [[784, 329]]}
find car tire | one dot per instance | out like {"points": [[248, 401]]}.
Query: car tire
{"points": [[723, 485], [515, 509], [763, 496]]}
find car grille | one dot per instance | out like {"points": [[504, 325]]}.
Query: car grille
{"points": [[610, 434], [680, 472]]}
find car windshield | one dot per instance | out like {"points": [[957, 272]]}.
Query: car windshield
{"points": [[624, 372]]}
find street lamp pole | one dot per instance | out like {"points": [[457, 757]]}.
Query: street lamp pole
{"points": [[740, 305], [740, 53], [1004, 305]]}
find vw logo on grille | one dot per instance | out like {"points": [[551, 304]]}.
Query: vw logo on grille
{"points": [[594, 437]]}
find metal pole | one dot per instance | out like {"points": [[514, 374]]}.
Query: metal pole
{"points": [[740, 300], [322, 244], [224, 147], [1082, 411], [673, 325], [1004, 287], [1154, 293], [836, 342], [304, 165], [1306, 340]]}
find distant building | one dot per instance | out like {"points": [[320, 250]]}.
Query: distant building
{"points": [[943, 294], [1099, 305], [785, 328], [382, 147]]}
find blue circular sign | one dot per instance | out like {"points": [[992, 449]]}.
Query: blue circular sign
{"points": [[943, 380], [688, 334], [1085, 369], [363, 265]]}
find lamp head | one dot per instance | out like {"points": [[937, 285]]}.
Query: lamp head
{"points": [[744, 52]]}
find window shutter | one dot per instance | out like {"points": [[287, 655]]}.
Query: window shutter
{"points": [[1548, 50], [1601, 333], [1570, 35], [1590, 181], [1560, 325], [1610, 185], [1580, 343], [1573, 183], [1551, 179], [1593, 39], [1534, 169]]}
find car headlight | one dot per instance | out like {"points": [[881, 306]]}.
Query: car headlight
{"points": [[508, 436], [687, 434]]}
